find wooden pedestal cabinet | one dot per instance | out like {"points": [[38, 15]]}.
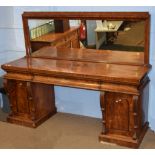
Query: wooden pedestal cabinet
{"points": [[30, 103], [124, 118]]}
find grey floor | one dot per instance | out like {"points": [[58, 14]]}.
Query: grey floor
{"points": [[62, 131]]}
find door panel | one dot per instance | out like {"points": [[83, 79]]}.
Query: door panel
{"points": [[118, 111]]}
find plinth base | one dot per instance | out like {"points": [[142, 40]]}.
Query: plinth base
{"points": [[25, 121], [124, 140]]}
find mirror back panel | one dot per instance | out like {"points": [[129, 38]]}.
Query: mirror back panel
{"points": [[125, 32]]}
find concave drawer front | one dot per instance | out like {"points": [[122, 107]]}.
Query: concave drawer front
{"points": [[75, 43], [58, 42], [73, 35]]}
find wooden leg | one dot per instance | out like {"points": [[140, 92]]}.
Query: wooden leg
{"points": [[31, 103]]}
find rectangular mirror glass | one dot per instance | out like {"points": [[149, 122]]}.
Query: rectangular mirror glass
{"points": [[92, 34], [109, 32]]}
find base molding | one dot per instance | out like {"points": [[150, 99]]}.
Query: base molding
{"points": [[124, 140], [28, 122]]}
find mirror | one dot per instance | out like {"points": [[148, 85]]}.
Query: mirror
{"points": [[126, 32], [92, 34]]}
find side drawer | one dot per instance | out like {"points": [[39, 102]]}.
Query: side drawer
{"points": [[58, 42], [71, 36]]}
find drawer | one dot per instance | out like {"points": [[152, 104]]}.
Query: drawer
{"points": [[67, 44], [75, 43], [66, 40], [58, 42], [72, 35]]}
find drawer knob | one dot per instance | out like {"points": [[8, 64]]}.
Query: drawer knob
{"points": [[30, 98], [20, 84], [120, 100], [102, 109]]}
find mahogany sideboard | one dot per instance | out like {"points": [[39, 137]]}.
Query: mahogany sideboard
{"points": [[123, 87], [69, 38]]}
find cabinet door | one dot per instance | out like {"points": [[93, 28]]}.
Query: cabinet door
{"points": [[22, 97], [18, 97], [119, 110], [10, 87]]}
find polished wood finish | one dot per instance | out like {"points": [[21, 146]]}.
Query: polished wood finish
{"points": [[129, 16], [121, 77], [68, 39], [123, 98], [80, 70], [124, 117], [87, 15], [91, 55], [30, 103]]}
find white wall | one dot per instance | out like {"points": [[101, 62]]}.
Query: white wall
{"points": [[6, 21], [72, 100], [12, 44], [18, 44], [91, 26], [7, 35]]}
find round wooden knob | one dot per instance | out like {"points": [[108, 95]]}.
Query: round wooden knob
{"points": [[20, 84], [30, 98]]}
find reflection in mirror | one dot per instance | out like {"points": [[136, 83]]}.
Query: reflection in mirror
{"points": [[120, 35], [91, 34], [40, 27]]}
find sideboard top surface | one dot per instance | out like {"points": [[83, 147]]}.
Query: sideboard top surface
{"points": [[101, 72], [91, 55]]}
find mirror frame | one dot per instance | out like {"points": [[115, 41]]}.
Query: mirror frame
{"points": [[130, 16]]}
